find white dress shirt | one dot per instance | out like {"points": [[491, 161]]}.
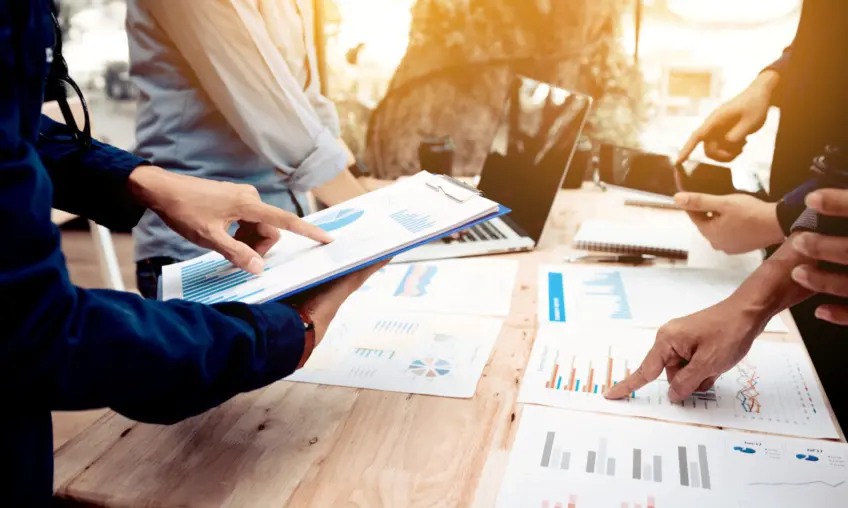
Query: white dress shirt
{"points": [[229, 90]]}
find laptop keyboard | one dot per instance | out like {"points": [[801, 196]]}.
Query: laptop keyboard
{"points": [[477, 233]]}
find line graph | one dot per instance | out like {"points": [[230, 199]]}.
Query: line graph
{"points": [[797, 484], [748, 395], [769, 390]]}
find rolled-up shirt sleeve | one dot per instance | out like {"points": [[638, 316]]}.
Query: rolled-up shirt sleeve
{"points": [[228, 47]]}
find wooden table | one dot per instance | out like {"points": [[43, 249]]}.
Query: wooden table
{"points": [[300, 445]]}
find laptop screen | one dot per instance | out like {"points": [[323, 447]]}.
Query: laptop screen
{"points": [[531, 151]]}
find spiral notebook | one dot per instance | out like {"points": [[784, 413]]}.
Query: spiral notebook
{"points": [[629, 238]]}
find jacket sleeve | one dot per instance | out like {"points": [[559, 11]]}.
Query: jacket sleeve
{"points": [[90, 182], [827, 171], [67, 348], [781, 67]]}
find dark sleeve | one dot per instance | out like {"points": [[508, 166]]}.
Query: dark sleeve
{"points": [[63, 347], [792, 205], [829, 170], [90, 182], [781, 66]]}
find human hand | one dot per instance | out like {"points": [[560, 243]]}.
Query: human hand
{"points": [[322, 303], [695, 350], [724, 131], [202, 210], [832, 249], [735, 223]]}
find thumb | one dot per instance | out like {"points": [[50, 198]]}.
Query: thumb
{"points": [[737, 134], [688, 380], [237, 253], [697, 202]]}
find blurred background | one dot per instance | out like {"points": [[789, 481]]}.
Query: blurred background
{"points": [[400, 70], [403, 70]]}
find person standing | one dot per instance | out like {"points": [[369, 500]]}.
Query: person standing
{"points": [[67, 348], [229, 90], [810, 86]]}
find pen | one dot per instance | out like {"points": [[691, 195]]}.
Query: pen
{"points": [[629, 259]]}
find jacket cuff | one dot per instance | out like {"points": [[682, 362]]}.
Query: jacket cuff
{"points": [[807, 221], [787, 214], [326, 161], [286, 335]]}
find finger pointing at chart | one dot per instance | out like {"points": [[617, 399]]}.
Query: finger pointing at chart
{"points": [[694, 350], [651, 368]]}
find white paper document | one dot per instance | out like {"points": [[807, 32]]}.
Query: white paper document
{"points": [[476, 286], [563, 459], [648, 297], [772, 390], [403, 352], [364, 229]]}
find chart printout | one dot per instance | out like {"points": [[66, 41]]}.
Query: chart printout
{"points": [[479, 286], [773, 389], [403, 352], [363, 229], [566, 459], [648, 297]]}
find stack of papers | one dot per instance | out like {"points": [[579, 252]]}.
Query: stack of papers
{"points": [[366, 230]]}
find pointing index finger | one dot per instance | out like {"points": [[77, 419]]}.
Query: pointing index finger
{"points": [[689, 147], [285, 220], [650, 370]]}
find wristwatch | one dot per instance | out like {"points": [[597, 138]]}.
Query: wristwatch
{"points": [[308, 335], [358, 169]]}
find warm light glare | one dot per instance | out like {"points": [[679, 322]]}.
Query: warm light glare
{"points": [[383, 25], [744, 11]]}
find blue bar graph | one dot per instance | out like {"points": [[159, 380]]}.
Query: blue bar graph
{"points": [[611, 285], [204, 281], [412, 222], [396, 327], [556, 298]]}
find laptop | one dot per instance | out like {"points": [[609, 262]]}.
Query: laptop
{"points": [[529, 156]]}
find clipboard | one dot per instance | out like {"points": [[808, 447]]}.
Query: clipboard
{"points": [[448, 186]]}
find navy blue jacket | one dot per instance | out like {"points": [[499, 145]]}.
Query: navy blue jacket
{"points": [[65, 348]]}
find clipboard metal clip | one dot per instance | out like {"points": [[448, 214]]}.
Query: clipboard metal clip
{"points": [[452, 188]]}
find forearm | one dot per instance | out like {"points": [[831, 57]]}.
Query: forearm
{"points": [[340, 189], [770, 289]]}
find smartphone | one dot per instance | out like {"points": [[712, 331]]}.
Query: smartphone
{"points": [[656, 174]]}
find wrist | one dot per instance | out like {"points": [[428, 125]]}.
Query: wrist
{"points": [[146, 184], [765, 83], [309, 336], [771, 224], [770, 289]]}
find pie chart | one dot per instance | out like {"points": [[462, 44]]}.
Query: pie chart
{"points": [[430, 367], [338, 219]]}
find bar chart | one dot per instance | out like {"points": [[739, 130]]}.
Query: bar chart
{"points": [[204, 281], [396, 328], [598, 461], [571, 366], [649, 503], [575, 373], [412, 222], [599, 294], [571, 503], [403, 352], [693, 469], [469, 286]]}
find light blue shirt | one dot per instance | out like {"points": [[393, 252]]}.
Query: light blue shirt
{"points": [[229, 91]]}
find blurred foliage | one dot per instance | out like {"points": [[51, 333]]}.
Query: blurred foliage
{"points": [[462, 53]]}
